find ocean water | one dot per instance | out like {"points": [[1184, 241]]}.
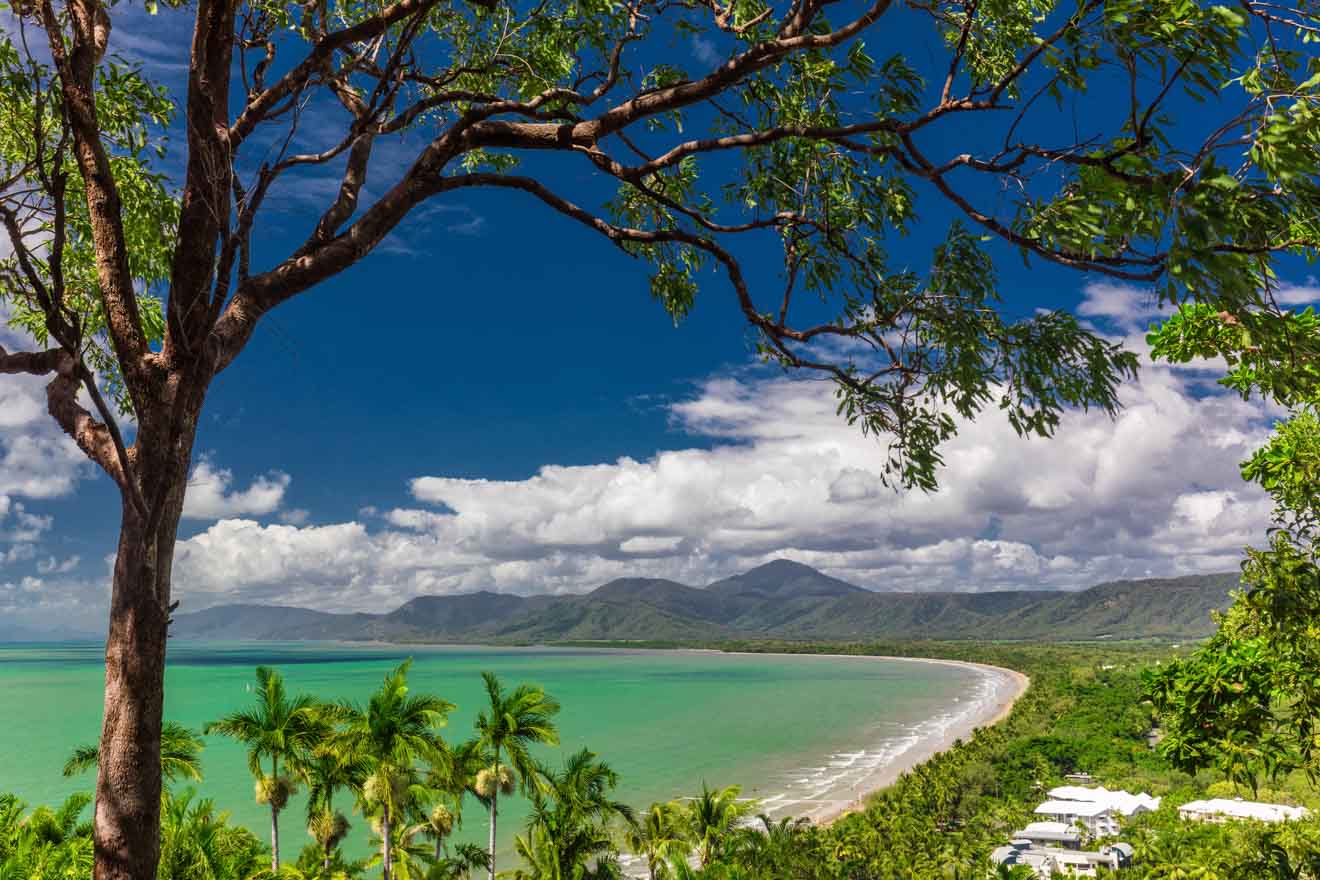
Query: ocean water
{"points": [[793, 731]]}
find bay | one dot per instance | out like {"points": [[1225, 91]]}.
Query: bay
{"points": [[791, 730]]}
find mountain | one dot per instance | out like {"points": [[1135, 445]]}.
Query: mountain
{"points": [[781, 599], [782, 579], [17, 632]]}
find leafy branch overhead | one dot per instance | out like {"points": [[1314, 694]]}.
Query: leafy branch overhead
{"points": [[816, 129]]}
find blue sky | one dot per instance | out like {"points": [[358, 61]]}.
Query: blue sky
{"points": [[494, 401]]}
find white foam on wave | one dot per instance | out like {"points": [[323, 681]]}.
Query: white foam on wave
{"points": [[840, 779], [843, 777]]}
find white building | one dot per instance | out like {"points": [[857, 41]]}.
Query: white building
{"points": [[1123, 803], [1097, 819], [1223, 809], [1048, 862], [1051, 834]]}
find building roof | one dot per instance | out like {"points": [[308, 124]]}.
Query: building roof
{"points": [[1237, 808], [1047, 828], [1051, 832], [1017, 855], [1122, 802], [1118, 854], [1073, 808]]}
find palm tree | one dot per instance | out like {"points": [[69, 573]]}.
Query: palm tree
{"points": [[327, 771], [659, 837], [466, 858], [712, 817], [509, 725], [392, 732], [180, 754], [280, 728], [45, 843], [437, 823], [568, 834], [198, 843]]}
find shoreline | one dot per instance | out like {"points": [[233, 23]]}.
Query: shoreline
{"points": [[1008, 686], [1005, 686]]}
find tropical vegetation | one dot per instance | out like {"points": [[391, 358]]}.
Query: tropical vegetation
{"points": [[140, 262], [386, 761]]}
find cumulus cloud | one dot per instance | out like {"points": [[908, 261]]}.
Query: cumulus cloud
{"points": [[211, 496], [51, 565], [775, 473], [37, 460]]}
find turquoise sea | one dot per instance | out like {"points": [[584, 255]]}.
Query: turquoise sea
{"points": [[792, 730]]}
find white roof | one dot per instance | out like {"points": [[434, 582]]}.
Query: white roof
{"points": [[1122, 802], [1047, 828], [1240, 809], [1072, 808]]}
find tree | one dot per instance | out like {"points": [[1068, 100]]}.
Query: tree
{"points": [[278, 728], [659, 837], [180, 755], [327, 771], [508, 725], [821, 127], [197, 843], [393, 732], [568, 833], [712, 817], [1246, 702], [45, 843]]}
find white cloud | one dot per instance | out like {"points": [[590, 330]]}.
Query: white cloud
{"points": [[1154, 491], [37, 460], [705, 51], [23, 526], [18, 553], [295, 516], [1128, 308], [51, 565], [1298, 294], [210, 496]]}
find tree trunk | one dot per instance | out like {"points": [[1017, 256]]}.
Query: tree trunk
{"points": [[274, 815], [127, 819], [386, 853], [494, 811], [274, 839], [127, 836]]}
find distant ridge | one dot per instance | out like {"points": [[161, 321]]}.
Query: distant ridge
{"points": [[780, 599]]}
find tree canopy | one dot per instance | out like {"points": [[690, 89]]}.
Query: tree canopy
{"points": [[833, 129]]}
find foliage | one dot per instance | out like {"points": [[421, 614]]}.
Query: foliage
{"points": [[568, 833], [507, 727], [180, 755], [1248, 702], [818, 128], [278, 728], [392, 733], [938, 821]]}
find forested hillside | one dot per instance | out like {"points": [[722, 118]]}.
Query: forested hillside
{"points": [[779, 600]]}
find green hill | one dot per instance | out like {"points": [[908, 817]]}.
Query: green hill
{"points": [[782, 600]]}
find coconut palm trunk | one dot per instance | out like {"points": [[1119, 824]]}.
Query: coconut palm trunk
{"points": [[274, 840], [386, 853], [326, 847], [275, 817], [494, 814]]}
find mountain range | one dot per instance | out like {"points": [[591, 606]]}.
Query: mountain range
{"points": [[780, 600]]}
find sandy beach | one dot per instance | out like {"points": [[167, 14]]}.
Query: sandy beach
{"points": [[848, 779]]}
